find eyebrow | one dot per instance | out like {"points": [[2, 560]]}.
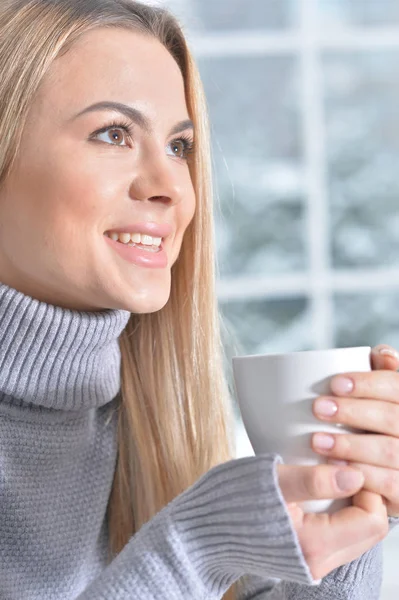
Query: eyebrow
{"points": [[134, 115]]}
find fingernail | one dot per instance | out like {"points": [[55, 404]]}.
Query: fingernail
{"points": [[323, 441], [342, 385], [325, 407], [349, 480], [389, 352]]}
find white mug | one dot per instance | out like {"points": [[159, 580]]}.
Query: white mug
{"points": [[275, 393]]}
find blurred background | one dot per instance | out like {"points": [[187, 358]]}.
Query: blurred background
{"points": [[304, 103]]}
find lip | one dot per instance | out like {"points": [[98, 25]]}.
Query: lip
{"points": [[138, 256], [161, 230]]}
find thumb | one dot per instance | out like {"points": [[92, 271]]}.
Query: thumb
{"points": [[384, 357], [299, 483]]}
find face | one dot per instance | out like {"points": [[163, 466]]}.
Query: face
{"points": [[81, 178]]}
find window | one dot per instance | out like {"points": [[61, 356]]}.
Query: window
{"points": [[304, 105], [303, 98]]}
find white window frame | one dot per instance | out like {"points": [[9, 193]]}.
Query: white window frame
{"points": [[320, 281]]}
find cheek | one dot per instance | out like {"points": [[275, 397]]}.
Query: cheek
{"points": [[51, 209], [187, 206], [186, 212], [77, 195], [70, 198]]}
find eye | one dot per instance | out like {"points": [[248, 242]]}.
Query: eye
{"points": [[114, 134], [181, 147]]}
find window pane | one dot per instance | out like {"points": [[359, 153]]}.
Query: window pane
{"points": [[367, 319], [266, 326], [263, 326], [362, 119], [359, 12], [222, 15], [257, 155]]}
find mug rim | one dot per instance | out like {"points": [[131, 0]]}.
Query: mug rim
{"points": [[285, 354]]}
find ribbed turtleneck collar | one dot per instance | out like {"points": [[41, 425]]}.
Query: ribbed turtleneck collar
{"points": [[55, 357]]}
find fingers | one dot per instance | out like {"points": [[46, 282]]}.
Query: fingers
{"points": [[366, 519], [329, 541], [384, 357], [373, 385], [384, 482], [296, 514], [345, 555], [381, 383], [370, 502], [377, 450], [368, 415], [299, 483]]}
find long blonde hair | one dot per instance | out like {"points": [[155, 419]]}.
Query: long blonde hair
{"points": [[174, 421]]}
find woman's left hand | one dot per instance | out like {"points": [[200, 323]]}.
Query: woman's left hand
{"points": [[369, 402]]}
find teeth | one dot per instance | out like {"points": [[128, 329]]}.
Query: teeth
{"points": [[124, 238], [146, 240], [137, 238]]}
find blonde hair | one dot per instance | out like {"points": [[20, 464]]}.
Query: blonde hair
{"points": [[174, 421]]}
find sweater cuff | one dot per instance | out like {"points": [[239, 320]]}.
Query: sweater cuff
{"points": [[234, 521], [357, 580]]}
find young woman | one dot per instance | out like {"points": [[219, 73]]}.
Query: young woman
{"points": [[116, 473]]}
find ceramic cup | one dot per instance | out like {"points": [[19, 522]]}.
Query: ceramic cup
{"points": [[275, 393]]}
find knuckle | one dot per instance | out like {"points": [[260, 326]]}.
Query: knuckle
{"points": [[317, 483], [315, 547], [390, 486], [342, 445], [392, 451], [390, 420], [345, 442], [344, 412], [379, 527], [392, 380], [314, 551], [316, 544], [367, 383]]}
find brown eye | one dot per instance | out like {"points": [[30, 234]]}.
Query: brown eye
{"points": [[178, 148], [116, 135], [181, 148]]}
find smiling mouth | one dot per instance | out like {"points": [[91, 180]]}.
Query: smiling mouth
{"points": [[145, 255], [137, 240]]}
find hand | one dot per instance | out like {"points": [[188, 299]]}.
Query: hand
{"points": [[330, 541], [371, 404]]}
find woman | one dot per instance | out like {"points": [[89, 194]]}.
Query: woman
{"points": [[114, 416]]}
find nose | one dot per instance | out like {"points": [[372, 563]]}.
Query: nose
{"points": [[158, 177]]}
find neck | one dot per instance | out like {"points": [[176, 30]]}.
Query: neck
{"points": [[55, 357]]}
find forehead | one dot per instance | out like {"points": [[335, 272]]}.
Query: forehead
{"points": [[116, 64]]}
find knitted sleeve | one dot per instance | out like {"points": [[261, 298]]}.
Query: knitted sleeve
{"points": [[359, 580], [232, 524]]}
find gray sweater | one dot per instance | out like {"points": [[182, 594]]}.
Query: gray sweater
{"points": [[59, 384]]}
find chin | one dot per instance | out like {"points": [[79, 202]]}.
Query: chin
{"points": [[146, 304], [143, 308], [138, 295]]}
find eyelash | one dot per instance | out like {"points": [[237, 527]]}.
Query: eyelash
{"points": [[188, 143]]}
